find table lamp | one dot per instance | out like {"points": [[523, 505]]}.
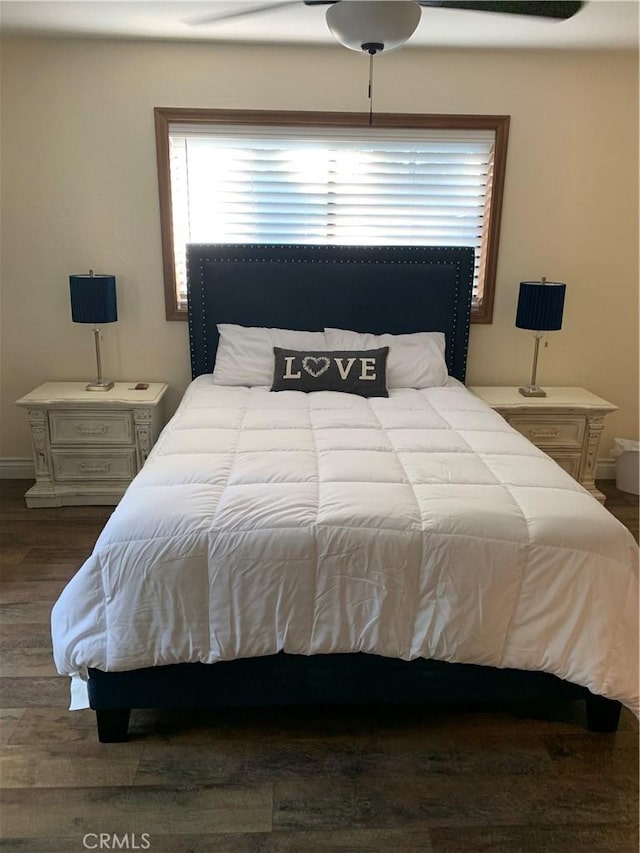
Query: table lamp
{"points": [[540, 306], [93, 300]]}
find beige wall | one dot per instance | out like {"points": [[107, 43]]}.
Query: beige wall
{"points": [[79, 190]]}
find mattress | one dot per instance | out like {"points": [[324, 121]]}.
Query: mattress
{"points": [[418, 525]]}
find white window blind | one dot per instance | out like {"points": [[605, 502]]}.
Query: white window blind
{"points": [[233, 184]]}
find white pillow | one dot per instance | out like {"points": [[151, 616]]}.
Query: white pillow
{"points": [[415, 360], [245, 353]]}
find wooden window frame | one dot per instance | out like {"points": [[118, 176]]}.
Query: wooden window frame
{"points": [[164, 116]]}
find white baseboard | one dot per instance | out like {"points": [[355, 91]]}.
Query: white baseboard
{"points": [[17, 468], [606, 469], [22, 469]]}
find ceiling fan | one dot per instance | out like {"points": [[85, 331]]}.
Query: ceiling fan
{"points": [[376, 25]]}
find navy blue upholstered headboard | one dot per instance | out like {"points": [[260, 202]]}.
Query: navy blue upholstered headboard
{"points": [[378, 289]]}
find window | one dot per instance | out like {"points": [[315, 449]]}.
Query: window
{"points": [[257, 177]]}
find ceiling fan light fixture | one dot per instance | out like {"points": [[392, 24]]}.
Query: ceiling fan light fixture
{"points": [[359, 24]]}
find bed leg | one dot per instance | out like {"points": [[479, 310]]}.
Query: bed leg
{"points": [[602, 714], [113, 725]]}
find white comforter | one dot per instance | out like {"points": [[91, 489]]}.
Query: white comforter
{"points": [[419, 525]]}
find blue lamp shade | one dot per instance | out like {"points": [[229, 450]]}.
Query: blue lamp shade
{"points": [[93, 298], [540, 305]]}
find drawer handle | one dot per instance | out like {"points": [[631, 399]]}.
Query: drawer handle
{"points": [[92, 430], [550, 432], [95, 467]]}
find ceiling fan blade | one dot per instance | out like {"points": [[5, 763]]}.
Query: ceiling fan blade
{"points": [[240, 13], [536, 8], [560, 9]]}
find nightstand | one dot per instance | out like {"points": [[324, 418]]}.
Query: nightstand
{"points": [[89, 445], [567, 424]]}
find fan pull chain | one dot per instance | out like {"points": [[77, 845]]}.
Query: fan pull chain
{"points": [[371, 55], [371, 47]]}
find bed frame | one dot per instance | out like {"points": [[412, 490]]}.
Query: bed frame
{"points": [[366, 289]]}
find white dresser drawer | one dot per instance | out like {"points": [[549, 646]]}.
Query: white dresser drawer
{"points": [[73, 427], [78, 465], [551, 431], [569, 461]]}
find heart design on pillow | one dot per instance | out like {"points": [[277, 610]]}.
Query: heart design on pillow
{"points": [[315, 366]]}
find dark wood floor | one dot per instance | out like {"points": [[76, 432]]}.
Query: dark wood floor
{"points": [[306, 780]]}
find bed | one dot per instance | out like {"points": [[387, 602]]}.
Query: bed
{"points": [[288, 547]]}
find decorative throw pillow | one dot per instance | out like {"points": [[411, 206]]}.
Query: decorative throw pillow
{"points": [[361, 372], [415, 360]]}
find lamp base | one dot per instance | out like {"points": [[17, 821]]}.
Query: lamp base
{"points": [[532, 391], [100, 385]]}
